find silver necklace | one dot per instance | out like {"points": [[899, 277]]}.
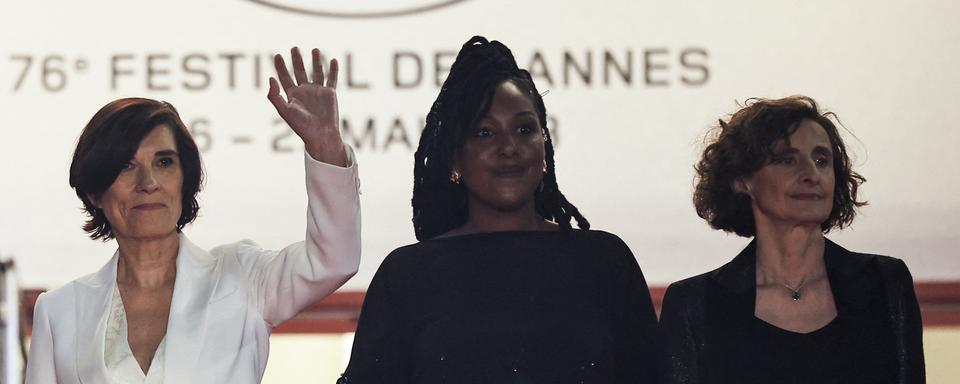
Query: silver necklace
{"points": [[795, 292]]}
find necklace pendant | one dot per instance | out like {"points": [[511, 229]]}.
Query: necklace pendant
{"points": [[796, 295]]}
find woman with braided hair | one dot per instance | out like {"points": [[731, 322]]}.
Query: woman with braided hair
{"points": [[500, 288]]}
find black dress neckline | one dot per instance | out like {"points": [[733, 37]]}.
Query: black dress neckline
{"points": [[825, 329], [480, 235]]}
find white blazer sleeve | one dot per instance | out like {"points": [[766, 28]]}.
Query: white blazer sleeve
{"points": [[288, 281], [40, 363]]}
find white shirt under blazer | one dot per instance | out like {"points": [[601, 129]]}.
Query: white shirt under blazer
{"points": [[225, 301]]}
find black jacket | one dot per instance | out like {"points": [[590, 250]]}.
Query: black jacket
{"points": [[700, 314]]}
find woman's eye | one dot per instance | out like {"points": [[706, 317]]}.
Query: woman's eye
{"points": [[525, 129], [126, 167], [165, 162], [785, 160], [483, 132], [822, 162]]}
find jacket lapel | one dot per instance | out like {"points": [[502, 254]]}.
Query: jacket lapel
{"points": [[844, 270], [738, 278], [852, 288], [728, 308], [93, 299], [186, 324]]}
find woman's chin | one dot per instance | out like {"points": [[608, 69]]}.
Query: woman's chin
{"points": [[147, 234]]}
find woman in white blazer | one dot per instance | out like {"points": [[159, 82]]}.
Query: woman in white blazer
{"points": [[164, 310]]}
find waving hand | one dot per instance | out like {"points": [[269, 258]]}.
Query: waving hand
{"points": [[310, 108]]}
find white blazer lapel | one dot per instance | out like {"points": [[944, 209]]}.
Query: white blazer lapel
{"points": [[93, 299], [186, 324]]}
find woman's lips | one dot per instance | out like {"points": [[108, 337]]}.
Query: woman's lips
{"points": [[510, 171], [807, 196], [150, 206]]}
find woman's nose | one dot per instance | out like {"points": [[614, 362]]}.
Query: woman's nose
{"points": [[508, 145], [810, 171], [146, 180]]}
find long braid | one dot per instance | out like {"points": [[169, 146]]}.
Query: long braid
{"points": [[439, 204], [550, 202]]}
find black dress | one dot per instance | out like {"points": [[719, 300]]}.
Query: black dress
{"points": [[507, 307], [712, 336]]}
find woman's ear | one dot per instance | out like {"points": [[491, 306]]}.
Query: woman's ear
{"points": [[94, 200], [742, 186]]}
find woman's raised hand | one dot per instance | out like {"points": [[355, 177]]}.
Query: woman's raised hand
{"points": [[310, 108]]}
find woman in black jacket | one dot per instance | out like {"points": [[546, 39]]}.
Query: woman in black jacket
{"points": [[792, 307]]}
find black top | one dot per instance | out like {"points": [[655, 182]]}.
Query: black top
{"points": [[507, 307], [779, 356], [712, 336]]}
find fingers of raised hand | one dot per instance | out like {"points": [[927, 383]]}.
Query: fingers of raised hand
{"points": [[334, 72], [300, 73], [298, 70], [282, 72], [274, 96], [318, 76]]}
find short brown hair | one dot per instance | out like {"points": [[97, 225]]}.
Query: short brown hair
{"points": [[745, 143], [110, 140]]}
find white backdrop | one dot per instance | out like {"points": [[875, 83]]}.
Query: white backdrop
{"points": [[634, 85]]}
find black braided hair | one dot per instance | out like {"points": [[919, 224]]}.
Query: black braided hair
{"points": [[440, 205]]}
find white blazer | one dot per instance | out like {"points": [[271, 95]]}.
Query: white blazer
{"points": [[225, 302]]}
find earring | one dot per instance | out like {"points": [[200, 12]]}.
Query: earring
{"points": [[749, 193], [741, 186], [544, 175], [455, 176]]}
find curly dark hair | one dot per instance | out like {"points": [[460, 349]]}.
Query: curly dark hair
{"points": [[746, 142], [110, 140], [440, 205]]}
